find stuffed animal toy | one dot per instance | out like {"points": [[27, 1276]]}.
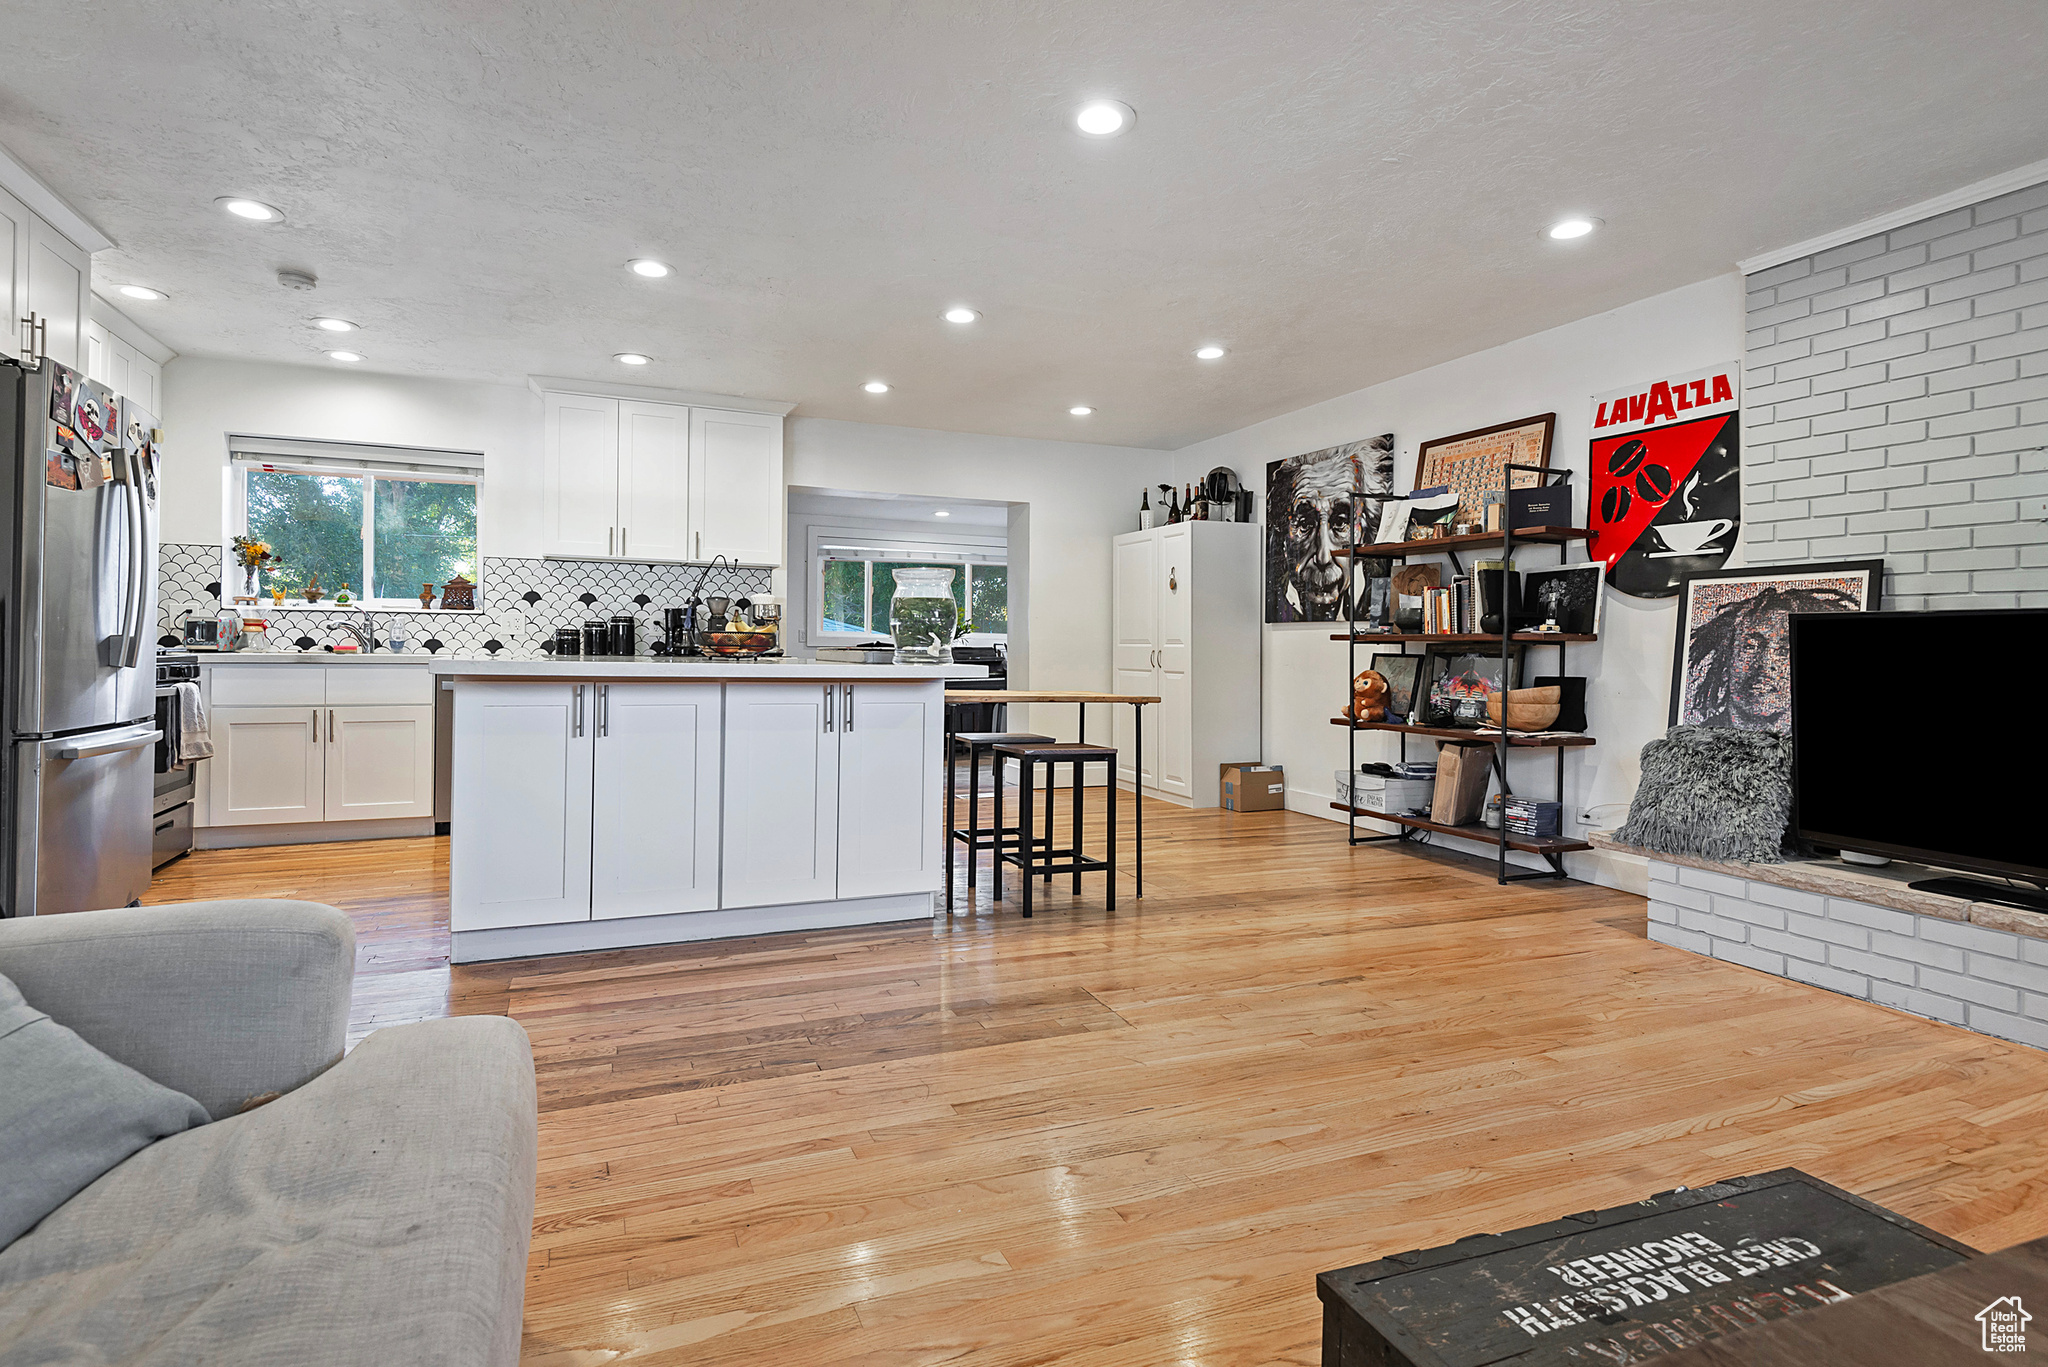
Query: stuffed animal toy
{"points": [[1368, 697]]}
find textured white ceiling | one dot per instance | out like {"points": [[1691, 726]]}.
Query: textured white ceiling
{"points": [[1339, 192]]}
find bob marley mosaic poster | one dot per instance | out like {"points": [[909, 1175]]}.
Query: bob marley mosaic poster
{"points": [[1314, 506], [1666, 490]]}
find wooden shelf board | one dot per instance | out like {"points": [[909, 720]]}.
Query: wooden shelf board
{"points": [[1535, 638], [1528, 844], [1467, 733], [1477, 541]]}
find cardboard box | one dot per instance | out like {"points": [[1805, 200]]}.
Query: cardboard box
{"points": [[1251, 787], [1374, 792]]}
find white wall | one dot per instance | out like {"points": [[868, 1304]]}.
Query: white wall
{"points": [[1628, 671], [1068, 500], [205, 399]]}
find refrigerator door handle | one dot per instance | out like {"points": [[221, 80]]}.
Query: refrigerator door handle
{"points": [[115, 745], [137, 589]]}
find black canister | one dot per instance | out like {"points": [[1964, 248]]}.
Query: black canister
{"points": [[597, 637], [568, 641], [624, 627]]}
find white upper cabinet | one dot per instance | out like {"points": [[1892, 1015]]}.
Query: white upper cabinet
{"points": [[13, 272], [579, 475], [737, 460], [59, 280], [632, 479], [121, 368], [654, 481]]}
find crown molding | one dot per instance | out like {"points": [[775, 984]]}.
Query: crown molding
{"points": [[49, 206], [603, 389], [2019, 178]]}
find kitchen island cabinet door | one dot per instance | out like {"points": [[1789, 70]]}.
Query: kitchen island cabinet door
{"points": [[521, 800], [267, 766], [380, 761], [781, 838], [889, 800], [655, 801]]}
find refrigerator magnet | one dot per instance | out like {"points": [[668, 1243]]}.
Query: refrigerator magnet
{"points": [[93, 471], [60, 470], [63, 384]]}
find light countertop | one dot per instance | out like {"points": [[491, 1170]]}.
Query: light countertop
{"points": [[607, 667]]}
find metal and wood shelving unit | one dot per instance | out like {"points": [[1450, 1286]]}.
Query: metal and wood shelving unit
{"points": [[1550, 849]]}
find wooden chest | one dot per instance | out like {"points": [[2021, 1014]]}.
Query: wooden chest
{"points": [[1626, 1285]]}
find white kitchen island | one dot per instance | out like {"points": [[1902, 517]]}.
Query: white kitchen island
{"points": [[605, 803]]}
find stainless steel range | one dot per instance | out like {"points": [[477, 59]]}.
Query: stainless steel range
{"points": [[170, 822]]}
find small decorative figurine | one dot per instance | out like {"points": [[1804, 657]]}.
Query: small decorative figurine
{"points": [[341, 599], [1368, 697], [459, 594], [313, 593], [426, 595]]}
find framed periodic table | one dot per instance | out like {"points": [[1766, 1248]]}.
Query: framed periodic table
{"points": [[1473, 463]]}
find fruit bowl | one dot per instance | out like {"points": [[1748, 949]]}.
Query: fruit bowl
{"points": [[737, 643]]}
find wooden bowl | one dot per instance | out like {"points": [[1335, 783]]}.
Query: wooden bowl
{"points": [[1529, 709]]}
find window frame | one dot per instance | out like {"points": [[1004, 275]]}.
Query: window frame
{"points": [[959, 551], [242, 463]]}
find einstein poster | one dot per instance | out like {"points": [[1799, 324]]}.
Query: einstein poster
{"points": [[1315, 505]]}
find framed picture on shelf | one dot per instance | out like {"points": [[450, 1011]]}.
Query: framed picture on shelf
{"points": [[1731, 663], [1402, 673], [1455, 688], [1566, 594], [1474, 464], [1316, 506]]}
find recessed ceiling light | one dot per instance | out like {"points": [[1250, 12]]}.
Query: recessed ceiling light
{"points": [[875, 387], [349, 356], [631, 358], [1564, 230], [1104, 118], [142, 292], [1209, 353], [1080, 410], [961, 314], [940, 512], [334, 325], [255, 210], [648, 267]]}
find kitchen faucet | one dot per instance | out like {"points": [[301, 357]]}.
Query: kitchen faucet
{"points": [[365, 635]]}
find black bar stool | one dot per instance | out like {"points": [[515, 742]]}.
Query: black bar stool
{"points": [[1025, 852], [977, 744]]}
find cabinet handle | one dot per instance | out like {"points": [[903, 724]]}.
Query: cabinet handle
{"points": [[700, 547], [604, 710], [610, 535], [622, 551], [330, 726], [828, 707], [576, 728], [849, 709]]}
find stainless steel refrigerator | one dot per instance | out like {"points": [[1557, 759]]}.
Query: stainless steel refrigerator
{"points": [[78, 538]]}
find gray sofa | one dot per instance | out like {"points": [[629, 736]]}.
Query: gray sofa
{"points": [[374, 1209]]}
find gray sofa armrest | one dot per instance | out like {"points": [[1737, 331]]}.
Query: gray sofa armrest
{"points": [[227, 1002]]}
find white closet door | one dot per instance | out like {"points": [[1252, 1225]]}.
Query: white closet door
{"points": [[1176, 717], [781, 840], [889, 800], [579, 476], [1135, 570], [522, 787], [736, 476], [654, 481], [654, 802]]}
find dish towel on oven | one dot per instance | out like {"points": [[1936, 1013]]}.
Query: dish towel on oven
{"points": [[193, 740]]}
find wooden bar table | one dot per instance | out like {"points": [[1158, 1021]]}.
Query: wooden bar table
{"points": [[1080, 699]]}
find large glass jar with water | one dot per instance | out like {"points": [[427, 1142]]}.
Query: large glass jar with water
{"points": [[922, 617]]}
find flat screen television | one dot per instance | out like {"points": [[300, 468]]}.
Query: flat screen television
{"points": [[1924, 736]]}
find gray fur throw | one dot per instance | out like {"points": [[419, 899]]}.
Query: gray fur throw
{"points": [[1714, 793]]}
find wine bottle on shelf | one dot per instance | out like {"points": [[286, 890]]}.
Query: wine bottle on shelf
{"points": [[1172, 507], [1145, 510]]}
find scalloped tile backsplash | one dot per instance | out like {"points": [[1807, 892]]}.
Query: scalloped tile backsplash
{"points": [[520, 601]]}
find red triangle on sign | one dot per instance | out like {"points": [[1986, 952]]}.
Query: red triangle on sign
{"points": [[1672, 450]]}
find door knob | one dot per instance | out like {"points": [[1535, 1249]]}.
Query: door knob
{"points": [[1172, 584]]}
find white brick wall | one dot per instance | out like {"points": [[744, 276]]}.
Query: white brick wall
{"points": [[1895, 397], [1991, 981]]}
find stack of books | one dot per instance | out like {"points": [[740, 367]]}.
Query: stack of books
{"points": [[1450, 611], [1527, 816]]}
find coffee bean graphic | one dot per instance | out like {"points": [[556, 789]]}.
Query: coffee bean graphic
{"points": [[1614, 503], [1653, 482], [1623, 460]]}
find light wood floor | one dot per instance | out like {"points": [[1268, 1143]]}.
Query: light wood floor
{"points": [[1133, 1139]]}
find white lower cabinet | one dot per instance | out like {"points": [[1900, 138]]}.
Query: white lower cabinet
{"points": [[781, 794], [890, 772], [579, 802], [274, 765]]}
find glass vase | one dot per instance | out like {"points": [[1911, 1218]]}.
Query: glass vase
{"points": [[923, 616]]}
